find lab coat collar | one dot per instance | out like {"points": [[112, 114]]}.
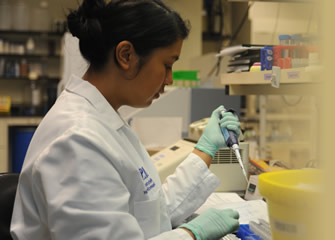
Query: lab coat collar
{"points": [[85, 89]]}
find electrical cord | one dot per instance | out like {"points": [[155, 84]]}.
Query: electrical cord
{"points": [[309, 25], [238, 29], [276, 23], [291, 104]]}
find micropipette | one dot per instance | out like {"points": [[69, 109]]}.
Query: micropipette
{"points": [[232, 142]]}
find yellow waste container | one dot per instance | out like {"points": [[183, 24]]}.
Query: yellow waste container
{"points": [[293, 199]]}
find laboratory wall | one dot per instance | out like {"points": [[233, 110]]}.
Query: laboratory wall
{"points": [[240, 27], [270, 19], [326, 222], [192, 46]]}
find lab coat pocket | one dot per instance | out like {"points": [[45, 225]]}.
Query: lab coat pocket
{"points": [[147, 214]]}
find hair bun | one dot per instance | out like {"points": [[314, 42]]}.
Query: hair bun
{"points": [[92, 8], [84, 24], [74, 25], [77, 20]]}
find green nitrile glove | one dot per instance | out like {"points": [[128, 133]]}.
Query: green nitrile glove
{"points": [[213, 224], [212, 139]]}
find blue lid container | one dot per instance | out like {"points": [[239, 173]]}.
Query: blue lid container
{"points": [[284, 37]]}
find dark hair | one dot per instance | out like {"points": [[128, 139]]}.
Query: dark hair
{"points": [[147, 24]]}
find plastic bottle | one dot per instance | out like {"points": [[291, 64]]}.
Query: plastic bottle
{"points": [[296, 50], [24, 68], [284, 40], [16, 69], [30, 45], [2, 67], [1, 45], [35, 96], [20, 15], [5, 15], [284, 61]]}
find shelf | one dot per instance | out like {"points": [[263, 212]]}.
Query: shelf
{"points": [[297, 81], [29, 56], [32, 33], [51, 79], [294, 75], [279, 117]]}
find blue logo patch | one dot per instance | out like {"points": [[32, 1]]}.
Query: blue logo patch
{"points": [[143, 173], [149, 183]]}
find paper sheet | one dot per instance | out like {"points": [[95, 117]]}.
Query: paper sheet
{"points": [[249, 210], [218, 198]]}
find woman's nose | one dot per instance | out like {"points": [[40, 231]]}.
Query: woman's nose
{"points": [[169, 78]]}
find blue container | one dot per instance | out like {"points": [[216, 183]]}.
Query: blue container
{"points": [[245, 233], [21, 138]]}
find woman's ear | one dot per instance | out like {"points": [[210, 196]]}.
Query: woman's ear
{"points": [[125, 55]]}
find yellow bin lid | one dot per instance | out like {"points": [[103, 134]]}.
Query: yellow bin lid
{"points": [[299, 187]]}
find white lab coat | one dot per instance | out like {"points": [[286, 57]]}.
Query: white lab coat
{"points": [[87, 176]]}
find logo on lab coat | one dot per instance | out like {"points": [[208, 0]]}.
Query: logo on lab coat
{"points": [[148, 182], [143, 173]]}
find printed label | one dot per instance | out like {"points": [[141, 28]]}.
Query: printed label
{"points": [[293, 75], [289, 228], [268, 76]]}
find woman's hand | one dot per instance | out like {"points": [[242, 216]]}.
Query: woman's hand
{"points": [[212, 139]]}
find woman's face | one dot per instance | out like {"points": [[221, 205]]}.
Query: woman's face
{"points": [[154, 75]]}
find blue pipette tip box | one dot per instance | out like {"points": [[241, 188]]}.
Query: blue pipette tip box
{"points": [[245, 233]]}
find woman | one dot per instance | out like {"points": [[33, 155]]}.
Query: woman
{"points": [[86, 175]]}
